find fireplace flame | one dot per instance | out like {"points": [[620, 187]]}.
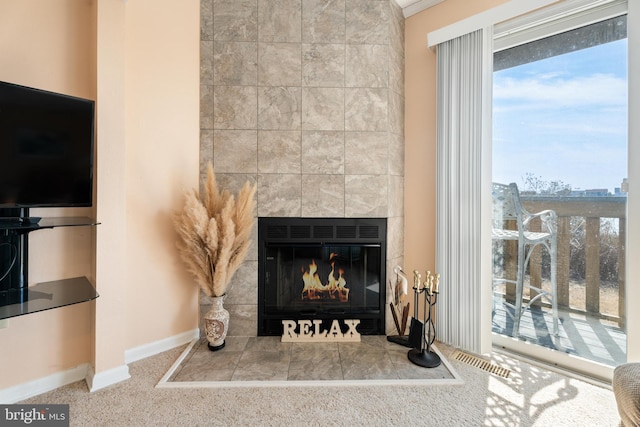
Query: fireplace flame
{"points": [[335, 289]]}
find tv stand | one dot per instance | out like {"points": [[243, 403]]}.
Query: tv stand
{"points": [[16, 297]]}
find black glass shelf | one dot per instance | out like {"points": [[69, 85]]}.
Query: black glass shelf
{"points": [[45, 296], [48, 222], [17, 299]]}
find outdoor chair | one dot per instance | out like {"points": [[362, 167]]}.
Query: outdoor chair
{"points": [[507, 206]]}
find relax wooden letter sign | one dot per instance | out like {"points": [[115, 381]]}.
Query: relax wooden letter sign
{"points": [[310, 331]]}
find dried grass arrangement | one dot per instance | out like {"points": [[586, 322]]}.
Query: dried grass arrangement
{"points": [[214, 233]]}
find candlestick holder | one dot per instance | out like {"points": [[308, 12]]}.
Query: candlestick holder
{"points": [[423, 333]]}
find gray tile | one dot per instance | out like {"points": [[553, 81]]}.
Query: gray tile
{"points": [[396, 71], [280, 21], [368, 366], [279, 64], [267, 358], [242, 321], [207, 365], [396, 155], [206, 63], [279, 195], [234, 181], [396, 113], [366, 153], [234, 107], [366, 109], [206, 149], [368, 344], [323, 108], [323, 21], [235, 63], [323, 196], [235, 343], [262, 366], [326, 368], [206, 107], [323, 65], [408, 370], [279, 151], [244, 284], [267, 344], [367, 66], [396, 198], [323, 152], [396, 28], [395, 241], [312, 351], [279, 108], [235, 20], [367, 22], [235, 151], [206, 19], [366, 195]]}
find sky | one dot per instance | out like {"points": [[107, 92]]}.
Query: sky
{"points": [[563, 119]]}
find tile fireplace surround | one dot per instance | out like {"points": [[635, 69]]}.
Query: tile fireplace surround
{"points": [[314, 117]]}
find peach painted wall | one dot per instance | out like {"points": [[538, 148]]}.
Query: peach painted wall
{"points": [[50, 45], [110, 326], [140, 60], [148, 82], [162, 104], [420, 127]]}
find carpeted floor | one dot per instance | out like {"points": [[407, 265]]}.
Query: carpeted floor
{"points": [[531, 396]]}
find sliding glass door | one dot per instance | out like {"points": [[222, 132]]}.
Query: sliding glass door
{"points": [[560, 135]]}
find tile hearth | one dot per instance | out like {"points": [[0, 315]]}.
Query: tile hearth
{"points": [[266, 359]]}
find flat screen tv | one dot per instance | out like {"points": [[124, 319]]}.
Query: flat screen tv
{"points": [[46, 148]]}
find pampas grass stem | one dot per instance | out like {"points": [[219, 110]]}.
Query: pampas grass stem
{"points": [[214, 233]]}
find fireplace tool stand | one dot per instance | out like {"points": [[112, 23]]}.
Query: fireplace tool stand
{"points": [[423, 333]]}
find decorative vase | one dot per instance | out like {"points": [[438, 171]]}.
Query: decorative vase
{"points": [[216, 324]]}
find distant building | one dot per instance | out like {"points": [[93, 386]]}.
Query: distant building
{"points": [[619, 193], [597, 192]]}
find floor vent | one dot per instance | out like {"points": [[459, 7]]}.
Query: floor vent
{"points": [[481, 364]]}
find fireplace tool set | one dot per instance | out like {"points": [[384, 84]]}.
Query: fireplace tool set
{"points": [[422, 334], [399, 309]]}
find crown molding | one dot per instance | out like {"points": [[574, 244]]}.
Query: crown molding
{"points": [[417, 6]]}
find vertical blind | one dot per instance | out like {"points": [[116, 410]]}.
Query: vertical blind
{"points": [[459, 190]]}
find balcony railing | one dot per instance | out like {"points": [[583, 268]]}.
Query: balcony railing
{"points": [[593, 210]]}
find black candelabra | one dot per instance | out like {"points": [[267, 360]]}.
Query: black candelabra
{"points": [[423, 332]]}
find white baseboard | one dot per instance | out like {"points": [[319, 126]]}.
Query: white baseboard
{"points": [[85, 371], [151, 349], [121, 373], [106, 378], [42, 385]]}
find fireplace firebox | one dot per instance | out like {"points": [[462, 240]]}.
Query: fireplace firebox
{"points": [[321, 268]]}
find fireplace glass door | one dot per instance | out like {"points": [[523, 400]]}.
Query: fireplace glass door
{"points": [[322, 279]]}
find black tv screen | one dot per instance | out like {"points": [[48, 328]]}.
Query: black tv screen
{"points": [[46, 148]]}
